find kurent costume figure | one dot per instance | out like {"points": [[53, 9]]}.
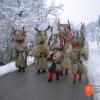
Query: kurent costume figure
{"points": [[56, 43], [74, 50], [40, 52], [20, 50], [66, 34], [79, 52], [65, 61]]}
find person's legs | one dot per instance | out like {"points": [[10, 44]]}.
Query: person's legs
{"points": [[61, 71], [66, 70], [38, 71], [57, 75], [19, 70], [74, 77], [23, 69], [38, 66], [80, 77], [75, 74], [50, 76], [44, 65], [43, 70], [81, 72]]}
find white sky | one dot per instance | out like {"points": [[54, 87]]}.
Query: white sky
{"points": [[79, 10]]}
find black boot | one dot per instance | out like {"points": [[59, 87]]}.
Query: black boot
{"points": [[74, 81], [23, 69], [57, 78], [49, 80], [80, 77], [44, 71], [19, 70], [38, 71]]}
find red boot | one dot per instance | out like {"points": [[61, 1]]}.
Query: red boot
{"points": [[50, 76], [74, 77]]}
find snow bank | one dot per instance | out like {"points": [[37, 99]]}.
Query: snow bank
{"points": [[94, 69], [10, 67]]}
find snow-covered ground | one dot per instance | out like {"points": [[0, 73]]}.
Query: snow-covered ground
{"points": [[10, 67], [93, 68]]}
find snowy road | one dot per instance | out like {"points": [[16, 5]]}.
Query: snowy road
{"points": [[93, 68], [32, 86]]}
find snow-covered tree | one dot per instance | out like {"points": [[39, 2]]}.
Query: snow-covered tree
{"points": [[6, 19], [98, 30], [22, 13]]}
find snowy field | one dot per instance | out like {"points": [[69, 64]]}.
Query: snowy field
{"points": [[93, 68]]}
